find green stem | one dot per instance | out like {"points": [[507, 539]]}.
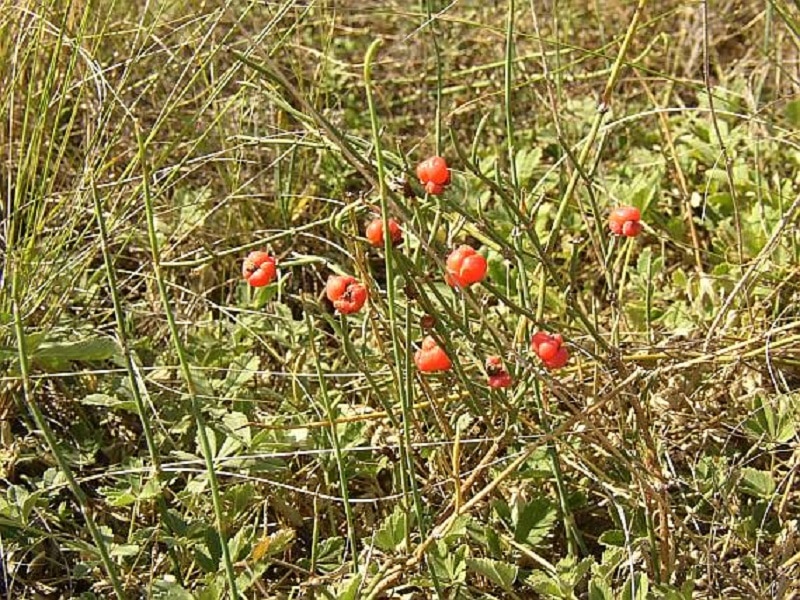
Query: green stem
{"points": [[133, 379], [111, 277], [508, 72], [400, 357], [191, 389], [52, 443], [602, 109], [337, 447], [574, 537], [438, 54]]}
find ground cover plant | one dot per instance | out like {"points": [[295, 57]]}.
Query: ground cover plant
{"points": [[570, 370]]}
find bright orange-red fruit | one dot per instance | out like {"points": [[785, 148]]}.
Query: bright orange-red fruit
{"points": [[464, 267], [430, 358], [259, 268], [498, 375], [434, 174], [625, 220], [434, 189], [550, 349], [374, 232], [346, 293]]}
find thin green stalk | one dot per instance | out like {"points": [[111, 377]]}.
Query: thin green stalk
{"points": [[573, 309], [648, 300], [391, 293], [344, 332], [400, 357], [574, 538], [315, 537], [52, 443], [508, 72], [602, 109], [625, 257], [111, 278], [438, 54], [727, 158], [337, 447], [194, 403]]}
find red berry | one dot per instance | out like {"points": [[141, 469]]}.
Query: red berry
{"points": [[259, 268], [346, 293], [464, 267], [625, 220], [550, 349], [433, 174], [430, 358], [498, 375], [374, 232], [503, 380], [434, 189]]}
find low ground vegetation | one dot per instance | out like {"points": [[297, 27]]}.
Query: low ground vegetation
{"points": [[570, 370]]}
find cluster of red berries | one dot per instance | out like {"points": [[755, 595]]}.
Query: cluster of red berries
{"points": [[374, 232], [346, 293], [431, 358], [463, 268], [550, 349], [497, 373], [434, 175], [625, 220], [259, 268]]}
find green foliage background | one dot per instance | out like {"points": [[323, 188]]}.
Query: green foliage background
{"points": [[167, 432]]}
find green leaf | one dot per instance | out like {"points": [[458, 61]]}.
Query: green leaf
{"points": [[635, 588], [248, 578], [213, 591], [498, 269], [774, 421], [124, 550], [151, 489], [611, 559], [170, 590], [526, 162], [264, 295], [348, 589], [391, 534], [329, 554], [212, 441], [759, 484], [91, 349], [534, 521], [500, 573], [450, 566], [571, 571], [457, 529], [238, 433], [213, 544], [205, 562], [600, 590], [546, 586], [119, 498], [107, 401], [612, 537], [240, 542], [793, 112], [241, 374]]}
